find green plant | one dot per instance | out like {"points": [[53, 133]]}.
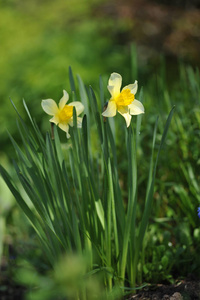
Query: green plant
{"points": [[74, 200]]}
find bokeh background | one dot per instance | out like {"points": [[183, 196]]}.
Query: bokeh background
{"points": [[39, 40]]}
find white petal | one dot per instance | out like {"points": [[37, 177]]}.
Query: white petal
{"points": [[78, 106], [55, 119], [110, 110], [133, 87], [63, 100], [111, 90], [64, 127], [50, 107], [114, 84], [136, 108], [127, 117], [79, 122], [123, 110], [71, 122], [67, 134]]}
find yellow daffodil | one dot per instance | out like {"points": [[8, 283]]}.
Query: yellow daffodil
{"points": [[63, 113], [122, 101]]}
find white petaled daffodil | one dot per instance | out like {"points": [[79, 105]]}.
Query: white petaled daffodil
{"points": [[63, 113], [122, 101]]}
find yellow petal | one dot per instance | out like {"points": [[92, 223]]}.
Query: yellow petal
{"points": [[50, 107], [124, 99], [110, 110], [78, 106], [114, 84], [136, 108], [65, 114], [132, 87], [63, 100]]}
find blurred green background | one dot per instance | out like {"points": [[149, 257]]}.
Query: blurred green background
{"points": [[39, 40]]}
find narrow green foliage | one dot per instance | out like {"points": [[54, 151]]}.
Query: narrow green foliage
{"points": [[77, 200], [148, 205]]}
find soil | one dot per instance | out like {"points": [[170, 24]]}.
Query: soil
{"points": [[188, 289], [183, 290], [10, 291]]}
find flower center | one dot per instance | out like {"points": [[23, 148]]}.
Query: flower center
{"points": [[125, 98], [66, 113]]}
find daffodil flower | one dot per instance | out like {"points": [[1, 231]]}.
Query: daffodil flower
{"points": [[63, 113], [122, 101]]}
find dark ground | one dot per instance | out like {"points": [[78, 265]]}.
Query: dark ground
{"points": [[188, 289], [9, 291]]}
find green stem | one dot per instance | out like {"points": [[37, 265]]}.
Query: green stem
{"points": [[109, 215], [131, 202]]}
